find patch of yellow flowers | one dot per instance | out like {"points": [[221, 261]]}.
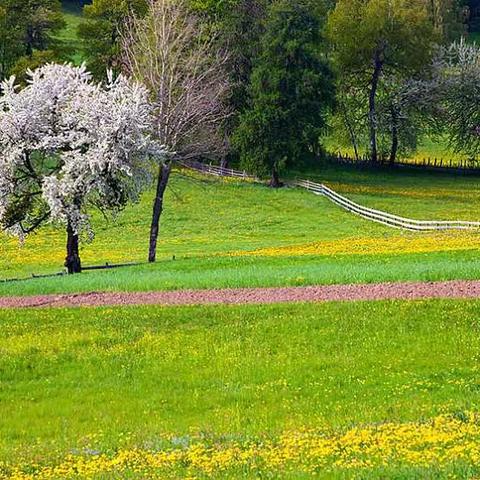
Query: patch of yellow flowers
{"points": [[437, 443], [395, 244]]}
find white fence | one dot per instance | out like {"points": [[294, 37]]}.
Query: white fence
{"points": [[368, 213], [383, 217], [218, 171]]}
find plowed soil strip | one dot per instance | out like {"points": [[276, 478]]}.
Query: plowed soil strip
{"points": [[381, 291]]}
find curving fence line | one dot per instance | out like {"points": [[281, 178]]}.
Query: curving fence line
{"points": [[383, 217], [378, 216]]}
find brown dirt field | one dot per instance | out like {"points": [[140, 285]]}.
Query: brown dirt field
{"points": [[364, 292]]}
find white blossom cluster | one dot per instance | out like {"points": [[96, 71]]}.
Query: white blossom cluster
{"points": [[66, 141]]}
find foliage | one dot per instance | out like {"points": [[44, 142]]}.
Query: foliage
{"points": [[24, 65], [291, 90], [449, 18], [375, 43], [27, 30], [66, 142], [359, 29], [455, 96], [101, 32], [240, 29]]}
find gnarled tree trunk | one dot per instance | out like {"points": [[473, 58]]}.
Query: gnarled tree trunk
{"points": [[72, 261], [162, 182]]}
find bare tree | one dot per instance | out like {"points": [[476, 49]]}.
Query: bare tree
{"points": [[171, 53]]}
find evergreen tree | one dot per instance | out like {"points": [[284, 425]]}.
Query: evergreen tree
{"points": [[291, 90]]}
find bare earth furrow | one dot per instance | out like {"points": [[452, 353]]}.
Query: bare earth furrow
{"points": [[363, 292]]}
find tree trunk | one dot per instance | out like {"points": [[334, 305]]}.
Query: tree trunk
{"points": [[275, 179], [162, 182], [72, 261], [394, 148], [225, 162], [351, 132], [372, 114]]}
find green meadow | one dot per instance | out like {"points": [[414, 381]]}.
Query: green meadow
{"points": [[95, 381], [335, 390], [218, 233]]}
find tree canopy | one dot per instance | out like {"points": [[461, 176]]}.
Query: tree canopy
{"points": [[27, 33], [376, 43], [291, 90]]}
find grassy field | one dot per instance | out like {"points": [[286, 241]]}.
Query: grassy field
{"points": [[72, 13], [370, 390], [260, 237], [428, 148], [414, 194], [242, 392]]}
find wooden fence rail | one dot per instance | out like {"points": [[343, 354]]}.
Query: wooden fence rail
{"points": [[461, 166], [385, 218], [218, 171]]}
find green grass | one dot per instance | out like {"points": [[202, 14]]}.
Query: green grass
{"points": [[428, 148], [216, 272], [202, 217], [137, 376], [205, 220], [420, 195], [72, 14]]}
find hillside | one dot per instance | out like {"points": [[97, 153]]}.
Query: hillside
{"points": [[262, 237]]}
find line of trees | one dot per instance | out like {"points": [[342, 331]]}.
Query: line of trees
{"points": [[395, 73], [258, 82]]}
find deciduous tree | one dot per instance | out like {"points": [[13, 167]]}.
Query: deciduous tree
{"points": [[454, 93], [182, 67], [67, 143], [376, 41]]}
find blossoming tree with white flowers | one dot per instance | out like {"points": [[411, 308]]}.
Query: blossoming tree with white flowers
{"points": [[68, 143]]}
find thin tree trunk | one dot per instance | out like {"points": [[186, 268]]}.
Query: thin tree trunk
{"points": [[372, 115], [72, 261], [275, 179], [225, 162], [351, 132], [162, 182], [394, 148]]}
